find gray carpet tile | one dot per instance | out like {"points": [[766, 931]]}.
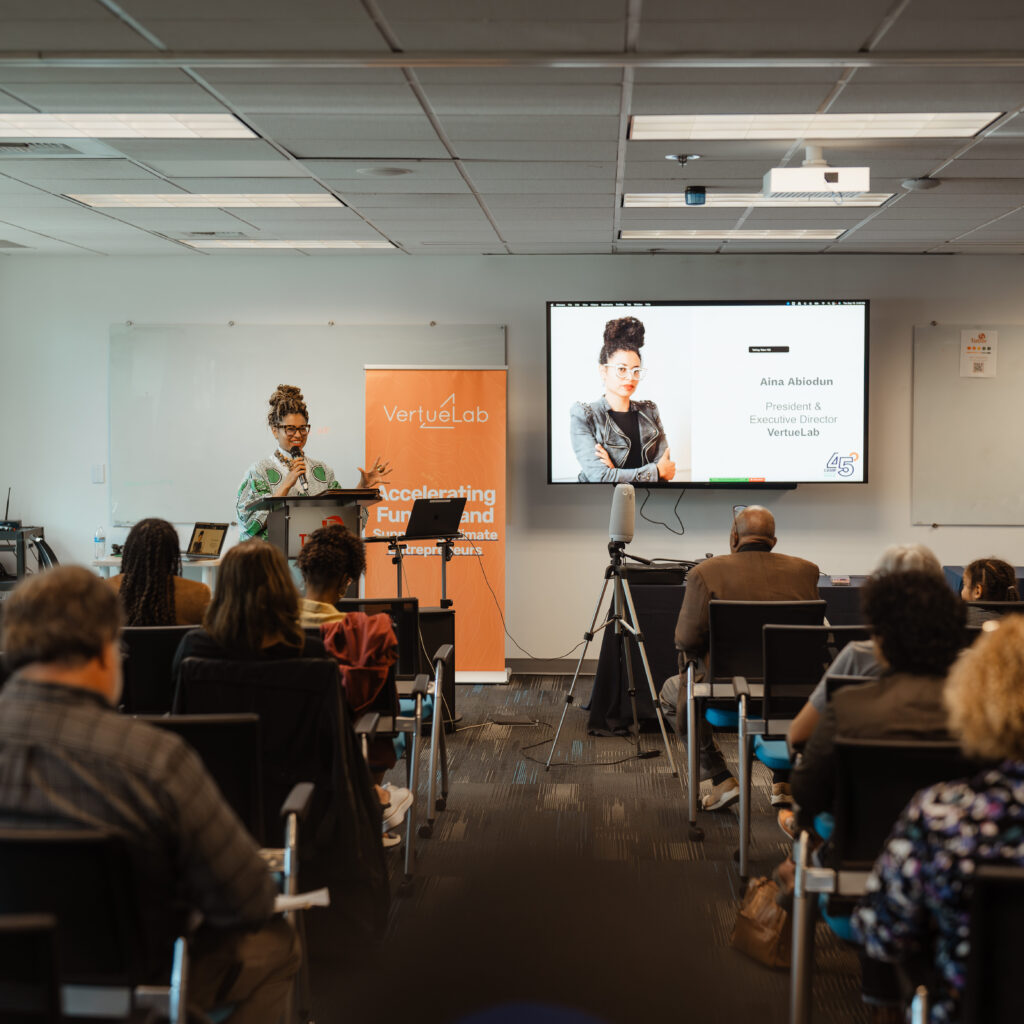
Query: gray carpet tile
{"points": [[576, 887]]}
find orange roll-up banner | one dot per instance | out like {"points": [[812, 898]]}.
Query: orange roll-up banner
{"points": [[443, 431]]}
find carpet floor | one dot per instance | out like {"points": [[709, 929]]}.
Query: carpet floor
{"points": [[574, 888]]}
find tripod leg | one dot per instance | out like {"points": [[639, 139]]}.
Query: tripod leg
{"points": [[691, 753], [745, 773], [627, 653], [650, 682], [588, 636]]}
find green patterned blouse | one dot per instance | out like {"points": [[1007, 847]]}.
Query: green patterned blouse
{"points": [[263, 476]]}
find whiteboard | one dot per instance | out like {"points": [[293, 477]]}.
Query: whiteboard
{"points": [[967, 459], [188, 402]]}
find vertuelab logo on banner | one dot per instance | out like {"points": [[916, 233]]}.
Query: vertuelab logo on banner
{"points": [[446, 416]]}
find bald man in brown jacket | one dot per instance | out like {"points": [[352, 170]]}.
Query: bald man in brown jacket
{"points": [[752, 572]]}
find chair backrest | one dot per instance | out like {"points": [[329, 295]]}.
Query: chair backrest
{"points": [[794, 658], [29, 972], [833, 684], [84, 878], [297, 701], [875, 780], [735, 633], [231, 750], [993, 991], [1002, 607], [405, 620], [148, 687], [306, 736]]}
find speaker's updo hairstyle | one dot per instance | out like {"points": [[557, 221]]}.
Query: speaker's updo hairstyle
{"points": [[286, 401], [624, 334]]}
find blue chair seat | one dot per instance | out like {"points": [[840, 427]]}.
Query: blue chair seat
{"points": [[842, 926], [772, 753], [721, 718]]}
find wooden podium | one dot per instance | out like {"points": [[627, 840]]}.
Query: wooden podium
{"points": [[293, 518]]}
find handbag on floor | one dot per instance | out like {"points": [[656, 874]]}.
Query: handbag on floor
{"points": [[762, 930]]}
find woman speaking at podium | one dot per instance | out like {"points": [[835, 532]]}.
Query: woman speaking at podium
{"points": [[279, 474]]}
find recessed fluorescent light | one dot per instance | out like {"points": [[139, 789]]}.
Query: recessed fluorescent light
{"points": [[252, 243], [652, 200], [123, 126], [809, 126], [740, 234], [222, 200]]}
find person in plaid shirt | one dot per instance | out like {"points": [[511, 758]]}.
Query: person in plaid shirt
{"points": [[67, 758]]}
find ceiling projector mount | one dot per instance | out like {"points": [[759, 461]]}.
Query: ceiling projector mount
{"points": [[815, 178]]}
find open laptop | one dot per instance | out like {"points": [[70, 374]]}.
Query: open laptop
{"points": [[434, 518], [206, 541]]}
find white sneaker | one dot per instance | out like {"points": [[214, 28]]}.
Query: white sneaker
{"points": [[725, 794], [401, 801]]}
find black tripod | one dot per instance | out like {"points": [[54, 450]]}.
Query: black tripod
{"points": [[623, 614]]}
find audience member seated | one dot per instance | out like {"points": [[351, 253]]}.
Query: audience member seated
{"points": [[254, 613], [919, 891], [858, 657], [66, 757], [988, 579], [917, 625], [153, 591], [365, 646], [752, 572]]}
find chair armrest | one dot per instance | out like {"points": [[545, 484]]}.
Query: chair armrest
{"points": [[444, 652], [298, 800], [740, 687], [367, 724], [415, 687]]}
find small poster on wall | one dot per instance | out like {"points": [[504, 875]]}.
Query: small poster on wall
{"points": [[978, 353]]}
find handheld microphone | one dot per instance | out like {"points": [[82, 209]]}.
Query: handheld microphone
{"points": [[620, 525], [295, 453]]}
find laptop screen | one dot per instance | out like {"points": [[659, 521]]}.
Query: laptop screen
{"points": [[207, 539]]}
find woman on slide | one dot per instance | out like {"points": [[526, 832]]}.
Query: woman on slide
{"points": [[277, 475], [616, 439]]}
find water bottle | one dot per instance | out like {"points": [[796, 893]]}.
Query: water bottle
{"points": [[99, 543]]}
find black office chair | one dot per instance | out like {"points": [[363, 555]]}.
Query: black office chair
{"points": [[833, 684], [107, 953], [29, 973], [734, 649], [231, 751], [306, 735], [875, 780], [992, 991], [793, 660], [149, 652]]}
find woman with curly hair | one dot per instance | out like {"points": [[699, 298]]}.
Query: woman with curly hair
{"points": [[618, 440], [254, 615], [329, 561], [919, 892], [278, 474], [152, 589], [364, 645]]}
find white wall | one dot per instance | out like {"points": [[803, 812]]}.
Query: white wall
{"points": [[55, 316]]}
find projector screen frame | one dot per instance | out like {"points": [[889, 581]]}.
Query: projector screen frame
{"points": [[709, 485]]}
